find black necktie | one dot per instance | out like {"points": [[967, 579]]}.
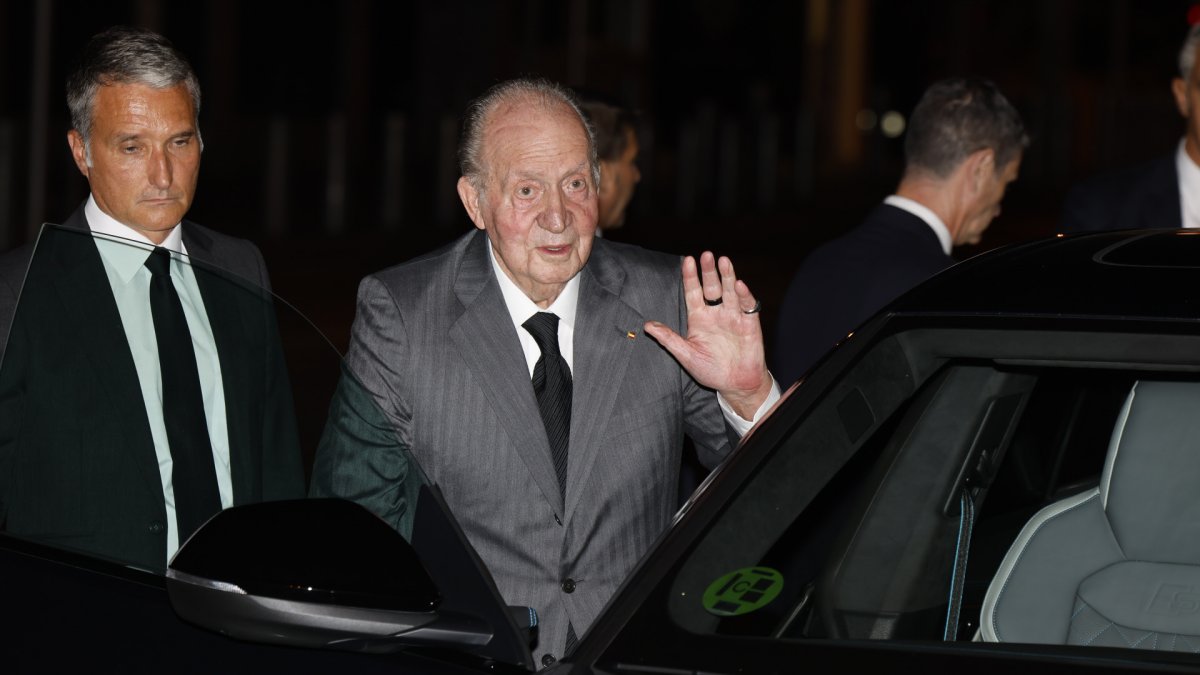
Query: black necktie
{"points": [[552, 385], [193, 475]]}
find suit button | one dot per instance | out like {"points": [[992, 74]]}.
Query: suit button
{"points": [[155, 527], [568, 586], [547, 660]]}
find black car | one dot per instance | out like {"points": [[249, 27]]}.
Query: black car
{"points": [[997, 473]]}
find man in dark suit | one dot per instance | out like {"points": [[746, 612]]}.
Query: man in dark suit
{"points": [[1164, 192], [560, 493], [962, 149], [104, 447]]}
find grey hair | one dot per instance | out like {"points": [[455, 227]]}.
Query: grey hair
{"points": [[126, 55], [1187, 53], [539, 91], [957, 117]]}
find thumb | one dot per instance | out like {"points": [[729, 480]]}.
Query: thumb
{"points": [[670, 340]]}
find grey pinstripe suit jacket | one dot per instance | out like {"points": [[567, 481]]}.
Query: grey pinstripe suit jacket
{"points": [[433, 343]]}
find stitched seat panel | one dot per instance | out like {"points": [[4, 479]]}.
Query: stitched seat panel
{"points": [[1091, 628], [1147, 597]]}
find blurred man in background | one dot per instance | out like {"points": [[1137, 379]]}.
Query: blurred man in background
{"points": [[1162, 193], [962, 149], [617, 150]]}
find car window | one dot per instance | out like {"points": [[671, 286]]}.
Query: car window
{"points": [[90, 476], [895, 495], [82, 464]]}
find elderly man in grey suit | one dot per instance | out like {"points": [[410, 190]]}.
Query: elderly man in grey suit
{"points": [[454, 349]]}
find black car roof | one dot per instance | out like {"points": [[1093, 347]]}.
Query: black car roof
{"points": [[1136, 274]]}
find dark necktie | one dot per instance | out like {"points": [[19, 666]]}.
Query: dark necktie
{"points": [[193, 475], [552, 385]]}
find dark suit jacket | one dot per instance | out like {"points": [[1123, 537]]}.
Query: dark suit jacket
{"points": [[847, 280], [1145, 196], [77, 463], [434, 344]]}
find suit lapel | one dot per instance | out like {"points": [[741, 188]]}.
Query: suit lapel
{"points": [[602, 349], [81, 285], [488, 344], [197, 243]]}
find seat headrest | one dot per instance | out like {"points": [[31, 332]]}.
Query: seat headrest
{"points": [[1150, 488]]}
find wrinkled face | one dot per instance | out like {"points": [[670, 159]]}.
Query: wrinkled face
{"points": [[1187, 99], [538, 203], [987, 203], [145, 155], [617, 181]]}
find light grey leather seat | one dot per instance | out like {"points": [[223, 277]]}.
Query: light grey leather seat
{"points": [[1118, 565]]}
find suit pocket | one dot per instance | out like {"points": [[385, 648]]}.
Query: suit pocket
{"points": [[662, 413], [644, 443]]}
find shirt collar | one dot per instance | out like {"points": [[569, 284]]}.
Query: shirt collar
{"points": [[126, 248], [926, 214], [1189, 186], [520, 307]]}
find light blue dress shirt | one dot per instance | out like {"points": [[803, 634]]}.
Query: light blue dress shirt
{"points": [[123, 251]]}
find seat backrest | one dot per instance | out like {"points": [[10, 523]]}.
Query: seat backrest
{"points": [[1117, 565]]}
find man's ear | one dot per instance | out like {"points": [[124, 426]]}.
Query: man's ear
{"points": [[981, 166], [606, 172], [78, 150], [470, 200], [1179, 89]]}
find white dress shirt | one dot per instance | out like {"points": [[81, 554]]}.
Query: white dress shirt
{"points": [[123, 251], [928, 216], [1189, 187], [520, 308]]}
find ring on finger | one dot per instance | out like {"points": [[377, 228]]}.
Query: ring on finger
{"points": [[754, 310], [712, 303]]}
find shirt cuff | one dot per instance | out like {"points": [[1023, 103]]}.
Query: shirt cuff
{"points": [[741, 426]]}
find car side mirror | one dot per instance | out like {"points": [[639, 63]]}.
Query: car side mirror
{"points": [[323, 573]]}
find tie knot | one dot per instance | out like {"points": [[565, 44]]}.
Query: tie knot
{"points": [[159, 262], [543, 326]]}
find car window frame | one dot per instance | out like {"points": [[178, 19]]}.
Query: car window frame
{"points": [[614, 643]]}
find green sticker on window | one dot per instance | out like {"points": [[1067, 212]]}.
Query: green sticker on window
{"points": [[742, 591]]}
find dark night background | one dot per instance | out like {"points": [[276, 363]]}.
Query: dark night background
{"points": [[330, 127]]}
